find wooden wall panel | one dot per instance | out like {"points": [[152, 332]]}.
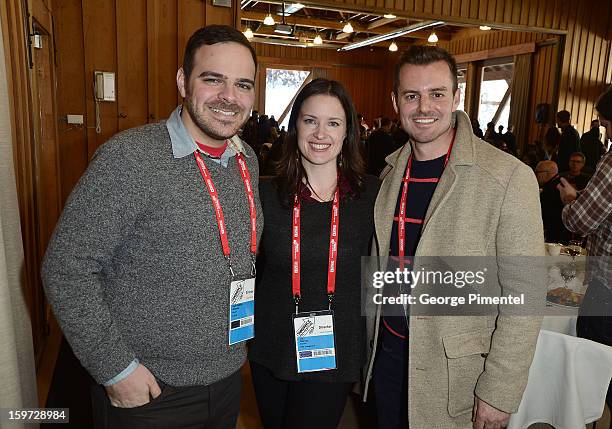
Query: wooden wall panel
{"points": [[368, 78], [70, 80], [132, 85], [100, 48], [163, 57], [191, 15], [585, 66]]}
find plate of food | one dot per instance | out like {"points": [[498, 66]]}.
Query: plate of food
{"points": [[564, 297]]}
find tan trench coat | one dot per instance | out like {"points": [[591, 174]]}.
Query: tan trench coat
{"points": [[486, 203]]}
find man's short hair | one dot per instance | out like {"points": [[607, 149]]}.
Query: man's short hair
{"points": [[422, 55], [604, 104], [211, 35], [563, 116], [580, 154]]}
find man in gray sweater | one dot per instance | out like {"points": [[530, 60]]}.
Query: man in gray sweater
{"points": [[156, 239]]}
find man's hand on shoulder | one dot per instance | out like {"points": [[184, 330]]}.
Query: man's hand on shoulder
{"points": [[135, 390], [489, 417]]}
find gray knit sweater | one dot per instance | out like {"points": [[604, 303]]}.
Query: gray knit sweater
{"points": [[135, 268]]}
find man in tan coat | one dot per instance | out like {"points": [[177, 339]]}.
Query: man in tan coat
{"points": [[459, 196]]}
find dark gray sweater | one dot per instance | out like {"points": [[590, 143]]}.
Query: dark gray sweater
{"points": [[135, 268]]}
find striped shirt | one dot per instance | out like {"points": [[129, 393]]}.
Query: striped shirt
{"points": [[591, 215], [424, 178]]}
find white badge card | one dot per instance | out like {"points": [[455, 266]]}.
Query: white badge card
{"points": [[315, 346], [242, 311]]}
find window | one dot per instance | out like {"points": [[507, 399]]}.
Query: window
{"points": [[495, 94], [281, 86], [461, 82]]}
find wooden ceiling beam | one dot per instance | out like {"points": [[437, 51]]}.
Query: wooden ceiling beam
{"points": [[381, 22], [333, 25]]}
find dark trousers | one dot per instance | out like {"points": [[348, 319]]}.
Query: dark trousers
{"points": [[595, 319], [391, 381], [215, 406], [298, 404]]}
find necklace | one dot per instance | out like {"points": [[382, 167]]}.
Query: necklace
{"points": [[330, 196]]}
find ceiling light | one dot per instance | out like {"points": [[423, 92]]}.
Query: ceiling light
{"points": [[248, 33], [348, 28], [389, 16], [391, 35], [317, 40], [268, 20], [393, 47], [432, 37], [484, 27]]}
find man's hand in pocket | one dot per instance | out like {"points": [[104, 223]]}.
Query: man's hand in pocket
{"points": [[135, 390]]}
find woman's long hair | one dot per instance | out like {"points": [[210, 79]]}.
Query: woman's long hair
{"points": [[289, 170]]}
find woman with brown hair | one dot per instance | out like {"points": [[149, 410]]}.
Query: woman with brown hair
{"points": [[309, 348]]}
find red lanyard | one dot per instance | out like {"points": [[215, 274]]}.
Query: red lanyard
{"points": [[401, 227], [246, 178], [333, 249]]}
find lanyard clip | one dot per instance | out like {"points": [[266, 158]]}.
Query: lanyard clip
{"points": [[296, 299], [330, 297], [253, 269], [229, 264]]}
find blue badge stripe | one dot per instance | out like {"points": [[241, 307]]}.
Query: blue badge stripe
{"points": [[316, 364], [315, 342], [240, 311]]}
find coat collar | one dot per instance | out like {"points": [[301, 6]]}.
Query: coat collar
{"points": [[463, 153]]}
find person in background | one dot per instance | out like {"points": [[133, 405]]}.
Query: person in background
{"points": [[550, 202], [510, 139], [490, 135], [319, 219], [249, 130], [552, 139], [476, 129], [589, 213], [274, 123], [574, 175], [140, 269], [378, 146], [264, 131], [569, 142], [592, 147]]}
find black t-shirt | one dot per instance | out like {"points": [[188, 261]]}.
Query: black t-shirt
{"points": [[417, 203], [274, 345]]}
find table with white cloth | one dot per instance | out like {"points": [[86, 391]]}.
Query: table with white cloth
{"points": [[568, 378]]}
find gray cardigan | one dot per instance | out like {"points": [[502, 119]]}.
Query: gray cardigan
{"points": [[135, 268]]}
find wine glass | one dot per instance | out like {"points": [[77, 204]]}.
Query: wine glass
{"points": [[568, 273]]}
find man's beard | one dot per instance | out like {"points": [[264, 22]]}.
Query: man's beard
{"points": [[205, 127]]}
